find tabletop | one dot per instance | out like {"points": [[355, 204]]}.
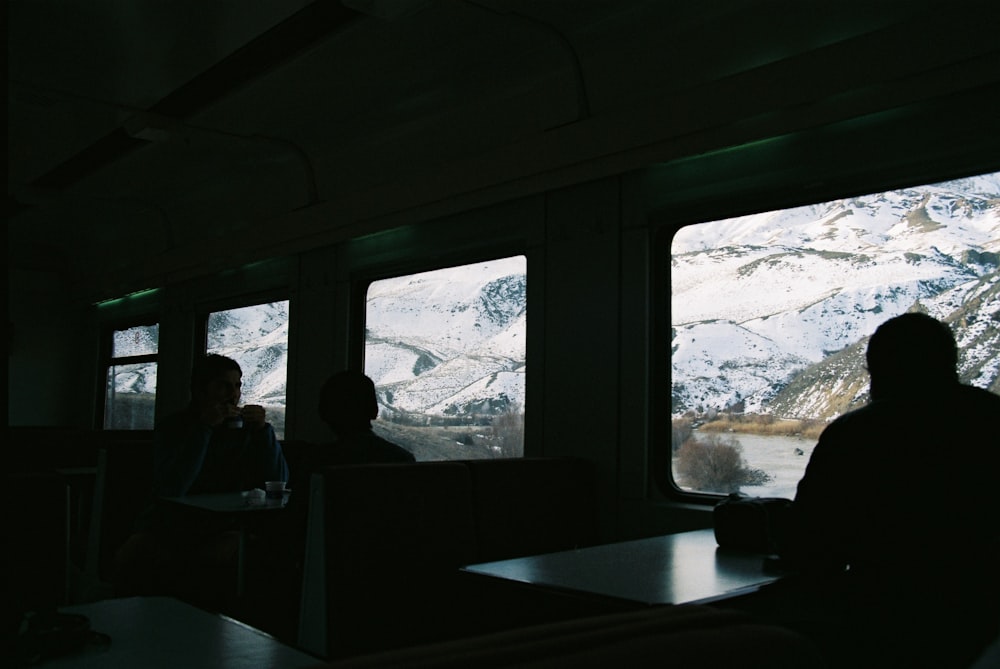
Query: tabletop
{"points": [[162, 632], [226, 502], [688, 567]]}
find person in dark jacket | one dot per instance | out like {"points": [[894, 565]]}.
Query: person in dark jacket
{"points": [[212, 446], [895, 526], [348, 404]]}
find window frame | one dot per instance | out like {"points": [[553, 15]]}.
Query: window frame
{"points": [[205, 311], [361, 279], [665, 225], [107, 361]]}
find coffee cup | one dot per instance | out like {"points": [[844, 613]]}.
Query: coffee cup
{"points": [[274, 491]]}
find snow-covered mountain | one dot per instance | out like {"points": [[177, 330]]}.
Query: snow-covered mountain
{"points": [[449, 343], [770, 312], [256, 337], [761, 303], [443, 344]]}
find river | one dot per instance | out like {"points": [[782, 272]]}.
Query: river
{"points": [[778, 456]]}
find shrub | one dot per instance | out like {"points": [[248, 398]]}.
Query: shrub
{"points": [[508, 433], [715, 464]]}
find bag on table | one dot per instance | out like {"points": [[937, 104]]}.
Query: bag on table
{"points": [[751, 523]]}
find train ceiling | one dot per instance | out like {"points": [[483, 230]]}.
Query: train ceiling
{"points": [[151, 141]]}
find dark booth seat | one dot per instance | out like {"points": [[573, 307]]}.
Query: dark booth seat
{"points": [[527, 506], [385, 544], [104, 482]]}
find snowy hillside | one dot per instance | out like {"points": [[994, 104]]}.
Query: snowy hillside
{"points": [[758, 299], [257, 338], [449, 342]]}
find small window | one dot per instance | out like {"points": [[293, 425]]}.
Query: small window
{"points": [[130, 381], [771, 314], [256, 337], [446, 350]]}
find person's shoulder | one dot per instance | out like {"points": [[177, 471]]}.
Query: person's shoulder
{"points": [[978, 397], [871, 412], [975, 411], [388, 451]]}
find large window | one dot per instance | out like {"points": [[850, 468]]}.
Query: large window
{"points": [[257, 338], [130, 378], [446, 350], [771, 313]]}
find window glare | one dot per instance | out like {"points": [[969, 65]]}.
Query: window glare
{"points": [[139, 340], [770, 315], [256, 337], [446, 350]]}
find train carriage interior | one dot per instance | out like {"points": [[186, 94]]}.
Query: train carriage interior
{"points": [[309, 186]]}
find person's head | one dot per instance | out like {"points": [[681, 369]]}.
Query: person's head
{"points": [[216, 379], [347, 401], [911, 353]]}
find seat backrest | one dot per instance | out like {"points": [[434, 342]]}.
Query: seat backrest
{"points": [[121, 492], [529, 506], [393, 539], [298, 455], [34, 526]]}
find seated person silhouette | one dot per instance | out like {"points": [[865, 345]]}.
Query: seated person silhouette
{"points": [[211, 446], [197, 450], [347, 403], [895, 529]]}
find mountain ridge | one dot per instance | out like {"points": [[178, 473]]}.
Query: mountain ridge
{"points": [[771, 317]]}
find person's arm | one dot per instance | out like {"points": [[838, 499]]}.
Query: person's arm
{"points": [[278, 465], [812, 533], [178, 455], [267, 460]]}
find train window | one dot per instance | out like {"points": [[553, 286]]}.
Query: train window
{"points": [[770, 315], [257, 338], [446, 350], [130, 379]]}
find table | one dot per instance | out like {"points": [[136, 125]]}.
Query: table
{"points": [[683, 568], [233, 506], [224, 502], [162, 632]]}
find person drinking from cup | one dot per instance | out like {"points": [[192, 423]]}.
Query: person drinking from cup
{"points": [[212, 446]]}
